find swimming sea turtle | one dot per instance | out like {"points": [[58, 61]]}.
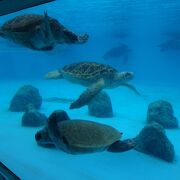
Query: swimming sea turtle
{"points": [[93, 75], [39, 32], [170, 45], [81, 136], [121, 51]]}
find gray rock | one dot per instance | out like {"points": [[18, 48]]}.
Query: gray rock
{"points": [[162, 112], [153, 140], [33, 118], [100, 105], [27, 94]]}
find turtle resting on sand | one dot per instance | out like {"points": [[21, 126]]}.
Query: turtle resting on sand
{"points": [[93, 75], [39, 32], [81, 136]]}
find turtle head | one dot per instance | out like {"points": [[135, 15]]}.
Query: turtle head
{"points": [[122, 77], [43, 139], [54, 129]]}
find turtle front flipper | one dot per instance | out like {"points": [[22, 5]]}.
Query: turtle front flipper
{"points": [[47, 29], [54, 132], [88, 95], [56, 74], [132, 88], [122, 146], [43, 38]]}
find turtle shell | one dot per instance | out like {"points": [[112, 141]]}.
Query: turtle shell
{"points": [[81, 136], [88, 70], [26, 23]]}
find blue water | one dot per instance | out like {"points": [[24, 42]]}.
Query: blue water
{"points": [[145, 22], [156, 73]]}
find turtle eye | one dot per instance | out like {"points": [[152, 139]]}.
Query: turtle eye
{"points": [[128, 75], [38, 136]]}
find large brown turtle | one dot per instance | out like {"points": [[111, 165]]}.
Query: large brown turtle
{"points": [[82, 136], [39, 32], [93, 75]]}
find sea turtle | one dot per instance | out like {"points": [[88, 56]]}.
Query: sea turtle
{"points": [[172, 33], [82, 136], [93, 75], [39, 32], [121, 51], [170, 45]]}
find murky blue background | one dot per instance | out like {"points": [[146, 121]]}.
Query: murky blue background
{"points": [[145, 21]]}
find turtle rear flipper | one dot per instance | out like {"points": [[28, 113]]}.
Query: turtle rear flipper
{"points": [[56, 74], [122, 146], [88, 95]]}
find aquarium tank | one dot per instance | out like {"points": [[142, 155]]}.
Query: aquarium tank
{"points": [[90, 89]]}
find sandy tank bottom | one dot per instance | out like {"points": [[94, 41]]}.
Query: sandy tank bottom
{"points": [[23, 156]]}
